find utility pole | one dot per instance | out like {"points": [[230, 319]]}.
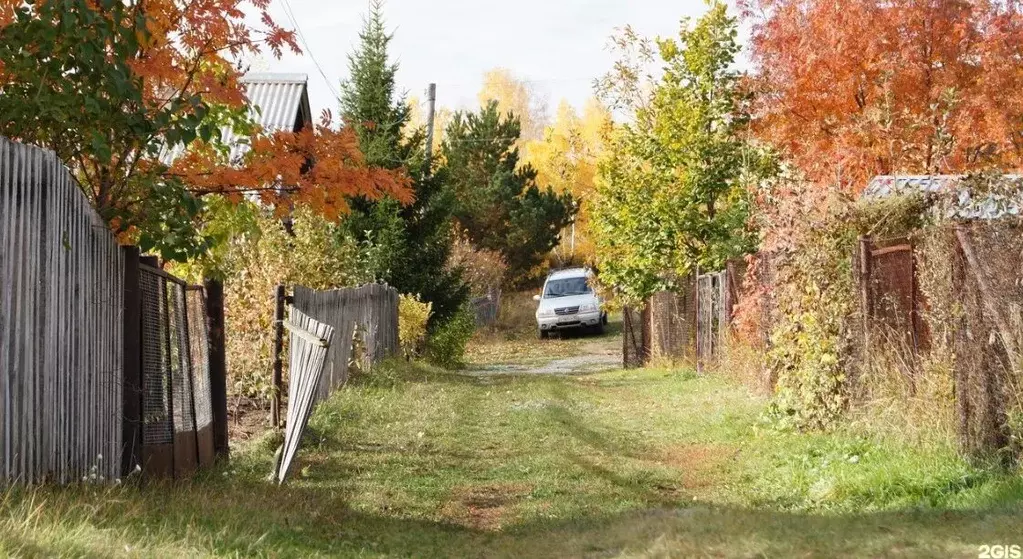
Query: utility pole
{"points": [[431, 98]]}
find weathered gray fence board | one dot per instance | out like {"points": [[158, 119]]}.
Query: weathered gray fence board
{"points": [[60, 340], [486, 308], [310, 343], [373, 307]]}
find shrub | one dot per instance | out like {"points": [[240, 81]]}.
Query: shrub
{"points": [[446, 345], [256, 254], [481, 269], [413, 317]]}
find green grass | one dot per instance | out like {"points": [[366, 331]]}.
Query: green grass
{"points": [[416, 461]]}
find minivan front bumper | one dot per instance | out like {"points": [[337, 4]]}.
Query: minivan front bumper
{"points": [[568, 322]]}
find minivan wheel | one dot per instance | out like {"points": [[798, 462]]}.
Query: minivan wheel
{"points": [[544, 334], [603, 319]]}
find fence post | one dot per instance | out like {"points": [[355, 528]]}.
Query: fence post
{"points": [[278, 372], [218, 365], [131, 379], [866, 304]]}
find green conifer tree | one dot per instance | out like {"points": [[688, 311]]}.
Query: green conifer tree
{"points": [[413, 242]]}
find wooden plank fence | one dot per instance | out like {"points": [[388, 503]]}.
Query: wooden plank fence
{"points": [[95, 347], [372, 308], [61, 354], [691, 324], [486, 308]]}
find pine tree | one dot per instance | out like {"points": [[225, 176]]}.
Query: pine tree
{"points": [[500, 204], [413, 242]]}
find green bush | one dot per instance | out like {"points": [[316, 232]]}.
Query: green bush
{"points": [[446, 344]]}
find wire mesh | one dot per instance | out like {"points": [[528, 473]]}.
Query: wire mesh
{"points": [[198, 337], [156, 405], [175, 358], [181, 366]]}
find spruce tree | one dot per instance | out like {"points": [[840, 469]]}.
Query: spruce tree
{"points": [[413, 242], [500, 204]]}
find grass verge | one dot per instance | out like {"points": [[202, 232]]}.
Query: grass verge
{"points": [[416, 461]]}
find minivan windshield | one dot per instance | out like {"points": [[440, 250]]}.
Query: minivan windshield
{"points": [[566, 287]]}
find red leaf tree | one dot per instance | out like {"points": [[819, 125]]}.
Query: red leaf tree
{"points": [[862, 87], [109, 85]]}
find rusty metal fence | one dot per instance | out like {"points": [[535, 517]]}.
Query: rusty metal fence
{"points": [[690, 324]]}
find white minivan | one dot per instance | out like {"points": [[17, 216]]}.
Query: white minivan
{"points": [[568, 302]]}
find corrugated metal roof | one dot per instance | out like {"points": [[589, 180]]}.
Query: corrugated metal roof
{"points": [[277, 102], [883, 186], [965, 206]]}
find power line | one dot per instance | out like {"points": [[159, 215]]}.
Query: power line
{"points": [[294, 21]]}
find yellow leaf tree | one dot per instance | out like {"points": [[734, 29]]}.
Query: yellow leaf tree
{"points": [[566, 159], [516, 96]]}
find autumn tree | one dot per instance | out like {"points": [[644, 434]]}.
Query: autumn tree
{"points": [[566, 160], [412, 241], [500, 205], [863, 87], [670, 190], [515, 96], [118, 88]]}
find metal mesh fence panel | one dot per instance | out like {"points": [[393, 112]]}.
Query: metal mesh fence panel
{"points": [[156, 404], [199, 344], [176, 398], [181, 367]]}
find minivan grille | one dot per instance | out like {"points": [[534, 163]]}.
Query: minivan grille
{"points": [[566, 310]]}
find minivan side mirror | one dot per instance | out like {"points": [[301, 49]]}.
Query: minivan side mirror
{"points": [[536, 297]]}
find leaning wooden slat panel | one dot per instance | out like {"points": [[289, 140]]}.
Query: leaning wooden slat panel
{"points": [[309, 344]]}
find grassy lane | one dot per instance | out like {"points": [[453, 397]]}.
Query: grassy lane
{"points": [[413, 461]]}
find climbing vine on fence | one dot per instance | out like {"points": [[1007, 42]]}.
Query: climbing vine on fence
{"points": [[814, 293]]}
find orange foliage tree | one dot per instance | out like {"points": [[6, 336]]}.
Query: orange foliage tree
{"points": [[862, 87], [115, 86]]}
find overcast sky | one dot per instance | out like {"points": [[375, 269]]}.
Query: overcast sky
{"points": [[558, 46]]}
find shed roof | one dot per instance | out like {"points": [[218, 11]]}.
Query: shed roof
{"points": [[965, 205], [277, 102]]}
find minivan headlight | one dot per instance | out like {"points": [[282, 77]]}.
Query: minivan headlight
{"points": [[545, 313], [588, 308]]}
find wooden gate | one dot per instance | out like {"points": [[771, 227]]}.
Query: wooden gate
{"points": [[890, 296]]}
